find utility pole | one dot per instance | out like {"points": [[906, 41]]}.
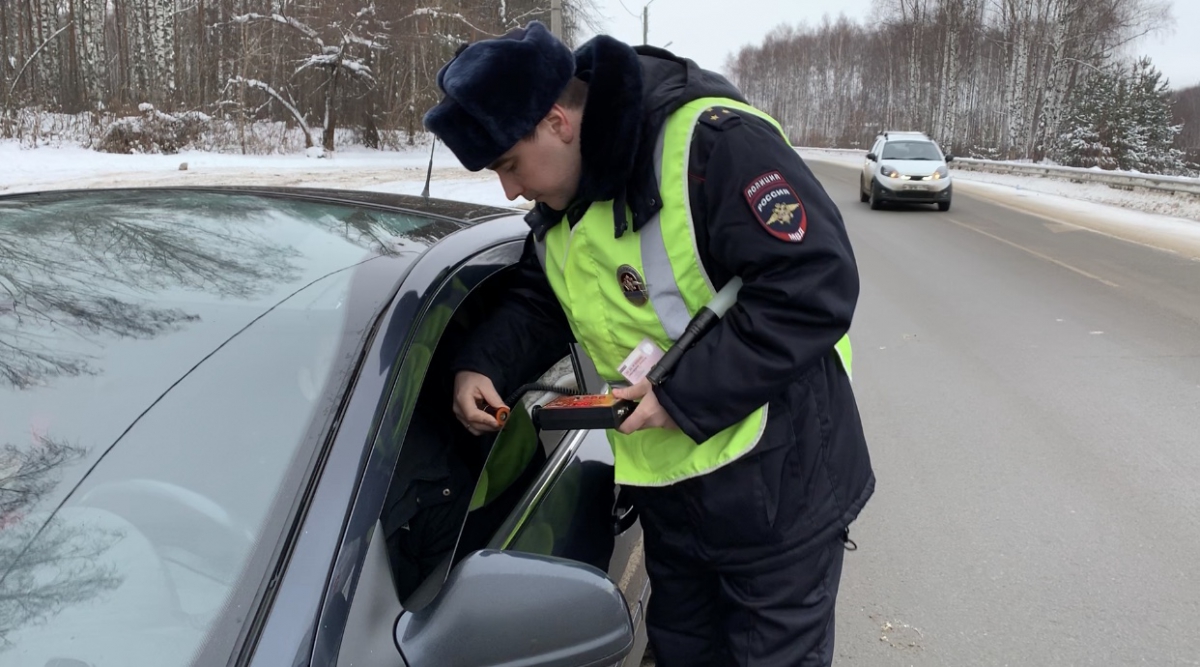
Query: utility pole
{"points": [[556, 18], [646, 23]]}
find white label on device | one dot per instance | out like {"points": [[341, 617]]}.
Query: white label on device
{"points": [[640, 361]]}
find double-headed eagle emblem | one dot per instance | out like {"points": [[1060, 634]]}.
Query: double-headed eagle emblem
{"points": [[783, 213]]}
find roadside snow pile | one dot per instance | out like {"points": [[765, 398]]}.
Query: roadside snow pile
{"points": [[353, 167], [843, 156], [1175, 204], [153, 132]]}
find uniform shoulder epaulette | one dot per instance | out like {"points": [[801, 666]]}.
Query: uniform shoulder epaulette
{"points": [[720, 117]]}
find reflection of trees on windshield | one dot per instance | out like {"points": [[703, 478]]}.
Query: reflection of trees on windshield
{"points": [[84, 266], [44, 567], [371, 230], [361, 228], [83, 269]]}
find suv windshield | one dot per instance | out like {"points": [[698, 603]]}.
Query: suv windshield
{"points": [[165, 359], [910, 150]]}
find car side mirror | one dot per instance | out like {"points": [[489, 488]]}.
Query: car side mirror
{"points": [[872, 157], [949, 158], [508, 608]]}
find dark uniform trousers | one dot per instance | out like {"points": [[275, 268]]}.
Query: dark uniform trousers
{"points": [[717, 598]]}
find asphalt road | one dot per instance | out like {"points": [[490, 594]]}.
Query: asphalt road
{"points": [[1031, 393]]}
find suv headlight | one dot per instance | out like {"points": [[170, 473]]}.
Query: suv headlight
{"points": [[889, 171], [942, 172]]}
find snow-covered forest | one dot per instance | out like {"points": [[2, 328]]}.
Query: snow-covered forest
{"points": [[313, 66], [1007, 79], [1010, 79]]}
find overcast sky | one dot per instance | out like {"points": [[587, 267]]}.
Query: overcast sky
{"points": [[709, 30]]}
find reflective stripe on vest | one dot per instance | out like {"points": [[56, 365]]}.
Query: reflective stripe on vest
{"points": [[660, 281], [581, 263]]}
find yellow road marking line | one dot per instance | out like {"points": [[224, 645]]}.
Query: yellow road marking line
{"points": [[983, 196], [1034, 253]]}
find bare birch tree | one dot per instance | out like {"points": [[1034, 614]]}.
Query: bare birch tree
{"points": [[994, 78]]}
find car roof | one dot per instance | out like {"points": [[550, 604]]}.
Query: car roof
{"points": [[907, 136]]}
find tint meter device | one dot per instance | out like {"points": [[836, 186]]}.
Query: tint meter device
{"points": [[605, 411], [590, 411]]}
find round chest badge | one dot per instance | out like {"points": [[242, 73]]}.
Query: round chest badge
{"points": [[632, 285]]}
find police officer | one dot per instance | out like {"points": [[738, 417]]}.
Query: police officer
{"points": [[655, 184]]}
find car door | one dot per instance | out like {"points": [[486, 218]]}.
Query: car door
{"points": [[567, 489], [577, 512], [276, 619], [868, 170]]}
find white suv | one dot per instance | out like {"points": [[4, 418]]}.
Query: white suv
{"points": [[905, 167]]}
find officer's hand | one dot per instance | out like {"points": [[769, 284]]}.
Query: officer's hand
{"points": [[471, 391], [649, 412]]}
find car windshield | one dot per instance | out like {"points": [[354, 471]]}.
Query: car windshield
{"points": [[167, 360], [910, 150]]}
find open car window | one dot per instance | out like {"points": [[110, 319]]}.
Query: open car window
{"points": [[448, 491]]}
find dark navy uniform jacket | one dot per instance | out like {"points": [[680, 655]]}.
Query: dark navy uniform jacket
{"points": [[776, 345]]}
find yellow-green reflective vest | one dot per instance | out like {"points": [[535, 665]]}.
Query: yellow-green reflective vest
{"points": [[583, 264]]}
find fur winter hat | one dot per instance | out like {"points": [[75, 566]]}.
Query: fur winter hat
{"points": [[497, 91]]}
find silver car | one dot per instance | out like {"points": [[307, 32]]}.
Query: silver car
{"points": [[906, 167]]}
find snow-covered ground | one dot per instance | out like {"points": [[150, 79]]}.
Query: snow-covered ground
{"points": [[1162, 220], [57, 168]]}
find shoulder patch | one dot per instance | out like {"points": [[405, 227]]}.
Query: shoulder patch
{"points": [[777, 207], [720, 117]]}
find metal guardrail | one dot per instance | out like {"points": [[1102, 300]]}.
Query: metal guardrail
{"points": [[1117, 179]]}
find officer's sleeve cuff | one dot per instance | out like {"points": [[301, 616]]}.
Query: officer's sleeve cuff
{"points": [[689, 427]]}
